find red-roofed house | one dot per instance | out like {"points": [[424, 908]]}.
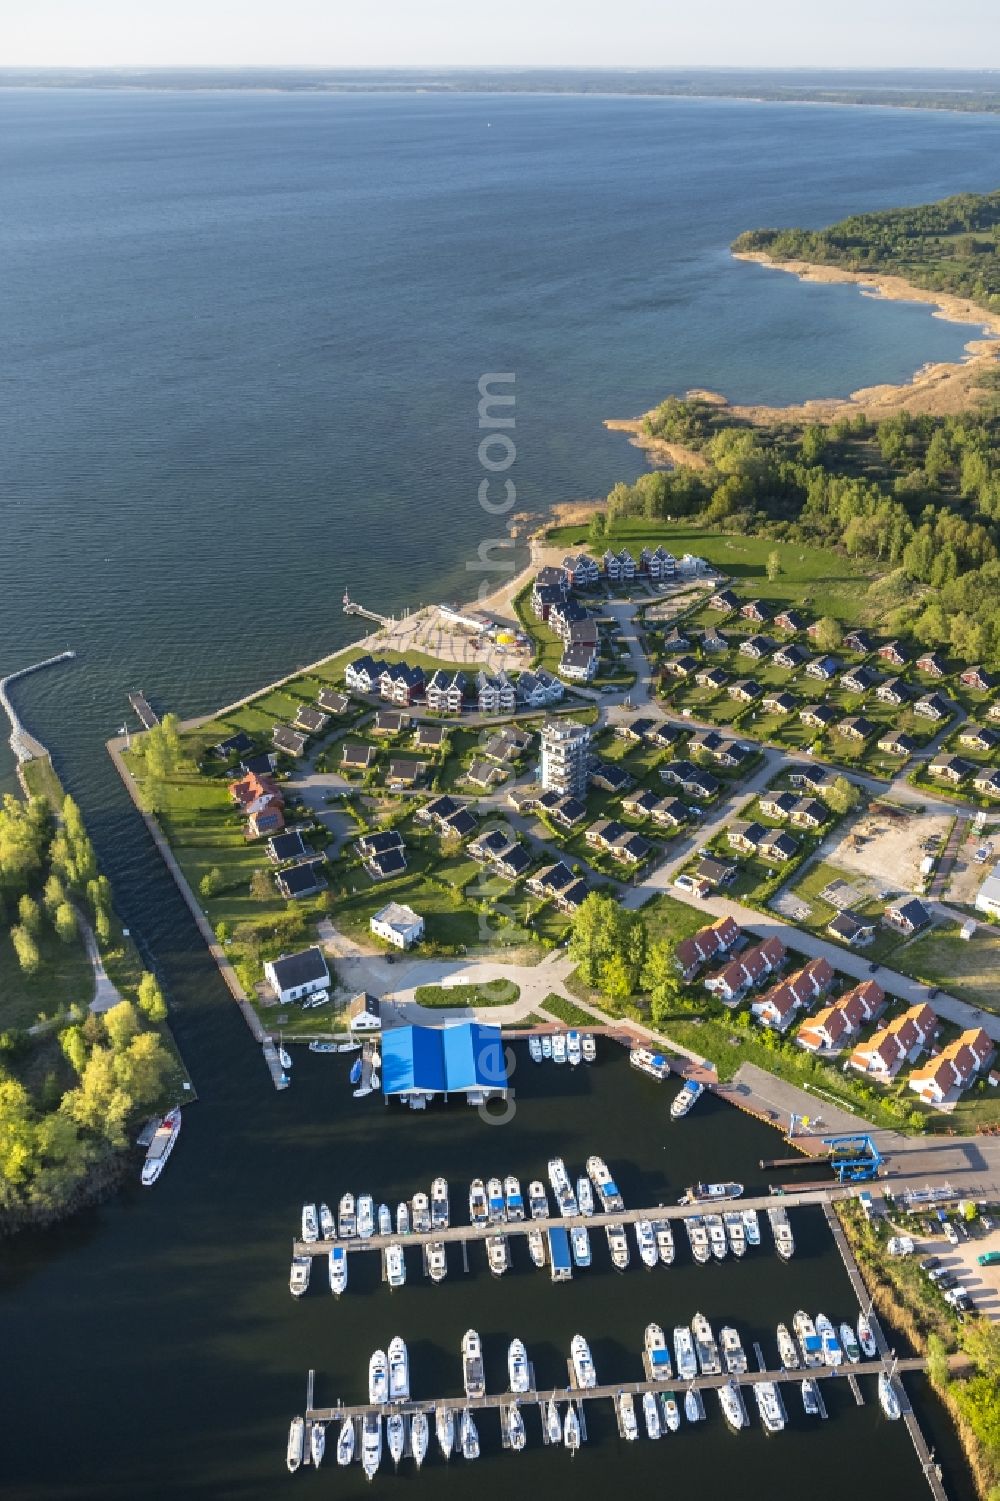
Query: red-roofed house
{"points": [[902, 1041], [252, 787], [836, 1024], [942, 1079], [691, 953]]}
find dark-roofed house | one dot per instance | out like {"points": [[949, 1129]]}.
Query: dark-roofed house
{"points": [[681, 667], [310, 720], [430, 736], [856, 727], [663, 735], [894, 743], [715, 872], [817, 716], [932, 706], [777, 844], [260, 765], [908, 915], [790, 620], [823, 668], [952, 769], [859, 679], [390, 862], [357, 756], [892, 691], [756, 647], [579, 661], [809, 813], [933, 664], [745, 691], [445, 693], [778, 703], [459, 825], [389, 722], [610, 777], [292, 742], [483, 773], [404, 772], [777, 804], [745, 836], [631, 848], [789, 657], [675, 640], [364, 1013], [711, 677], [400, 683], [378, 844], [858, 642], [550, 880], [725, 601], [812, 778], [893, 652], [567, 811], [987, 782], [294, 976], [635, 730], [438, 809], [236, 745], [713, 640], [978, 678], [854, 931], [333, 702], [513, 862], [978, 737], [284, 847], [755, 609], [602, 835], [363, 674], [301, 880], [670, 813], [640, 804]]}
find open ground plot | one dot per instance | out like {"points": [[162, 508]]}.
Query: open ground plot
{"points": [[967, 968], [888, 844], [823, 891]]}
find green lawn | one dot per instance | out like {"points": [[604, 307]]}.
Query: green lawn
{"points": [[63, 979], [808, 889], [43, 782], [565, 1011], [489, 993], [967, 968]]}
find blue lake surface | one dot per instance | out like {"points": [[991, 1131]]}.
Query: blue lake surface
{"points": [[242, 336]]}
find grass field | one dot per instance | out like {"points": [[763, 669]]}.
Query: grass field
{"points": [[63, 979], [808, 889], [42, 781], [490, 993], [565, 1011], [967, 968]]}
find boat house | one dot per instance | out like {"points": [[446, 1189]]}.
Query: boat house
{"points": [[420, 1063]]}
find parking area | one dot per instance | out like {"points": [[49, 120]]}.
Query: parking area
{"points": [[968, 871], [961, 1262], [888, 845]]}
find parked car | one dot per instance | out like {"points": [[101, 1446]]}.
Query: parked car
{"points": [[962, 1229], [950, 1233], [928, 1263]]}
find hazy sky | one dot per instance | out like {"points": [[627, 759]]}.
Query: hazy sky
{"points": [[395, 33]]}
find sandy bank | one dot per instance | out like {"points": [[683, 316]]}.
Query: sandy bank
{"points": [[659, 450]]}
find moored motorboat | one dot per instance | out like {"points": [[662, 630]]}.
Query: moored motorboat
{"points": [[731, 1402], [518, 1371], [866, 1337], [705, 1346], [536, 1247], [751, 1227], [571, 1429], [440, 1207], [694, 1407], [717, 1236], [371, 1443], [310, 1223], [733, 1222], [494, 1199], [707, 1193], [664, 1241], [810, 1398], [437, 1261], [588, 1047], [888, 1396], [160, 1147], [399, 1371], [444, 1427], [626, 1417], [559, 1047], [378, 1378], [770, 1406], [562, 1188], [347, 1220], [513, 1202], [296, 1444], [604, 1185], [497, 1254], [395, 1265], [354, 1075], [516, 1434], [479, 1209], [618, 1246], [322, 1047], [689, 1092], [651, 1415], [583, 1364], [345, 1442], [832, 1353], [733, 1353], [580, 1243], [419, 1435], [784, 1242], [671, 1412], [298, 1279], [337, 1270], [366, 1216], [395, 1433], [553, 1422], [469, 1434], [473, 1374], [317, 1443], [849, 1343], [585, 1196], [547, 1045], [657, 1354], [402, 1218], [538, 1201], [384, 1220], [685, 1353], [535, 1048], [574, 1049], [787, 1351], [649, 1062], [701, 1246], [646, 1241], [809, 1341], [420, 1214], [284, 1058], [327, 1223]]}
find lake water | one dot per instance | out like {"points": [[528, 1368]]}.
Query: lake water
{"points": [[242, 337]]}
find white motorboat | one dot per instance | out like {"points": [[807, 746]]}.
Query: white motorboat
{"points": [[535, 1048], [437, 1261], [832, 1353], [419, 1436], [626, 1417], [701, 1248], [298, 1279], [513, 1202], [402, 1218], [705, 1346], [384, 1220], [751, 1227], [536, 1247], [284, 1058], [371, 1443], [399, 1371], [345, 1442], [784, 1242], [296, 1444], [515, 1428], [395, 1265], [810, 1398], [378, 1378], [583, 1364], [664, 1241], [310, 1223], [479, 1209], [787, 1351], [685, 1353], [327, 1223], [585, 1196], [538, 1201], [444, 1427], [571, 1429], [648, 1062], [770, 1406], [849, 1343], [395, 1433], [694, 1407], [546, 1045], [574, 1049], [469, 1435], [440, 1207], [605, 1186], [421, 1214], [553, 1422], [689, 1092], [494, 1199], [337, 1270], [322, 1047], [580, 1243], [366, 1216], [559, 1047], [657, 1354], [809, 1341], [716, 1236], [646, 1241], [473, 1374], [733, 1353], [160, 1147], [732, 1405], [562, 1188], [618, 1246], [347, 1220], [588, 1046], [517, 1366], [734, 1232], [497, 1254], [710, 1193], [866, 1337], [317, 1443], [651, 1414], [888, 1396], [671, 1412]]}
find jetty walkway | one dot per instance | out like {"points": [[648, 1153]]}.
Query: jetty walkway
{"points": [[22, 742]]}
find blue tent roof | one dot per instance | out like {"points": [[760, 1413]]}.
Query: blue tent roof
{"points": [[442, 1060]]}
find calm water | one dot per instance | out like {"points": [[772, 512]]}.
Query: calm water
{"points": [[242, 337]]}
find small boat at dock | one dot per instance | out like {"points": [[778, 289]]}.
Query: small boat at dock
{"points": [[588, 1047], [604, 1185], [849, 1343], [784, 1243], [694, 1407], [399, 1371], [518, 1371], [160, 1147], [705, 1346], [513, 1201], [751, 1227], [395, 1265], [664, 1241], [580, 1243], [646, 1241], [559, 1047], [402, 1218], [553, 1422], [444, 1427], [516, 1435], [574, 1049], [395, 1433], [732, 1406], [310, 1223], [298, 1278], [809, 1341], [648, 1062], [701, 1248], [284, 1058], [494, 1199], [296, 1444], [323, 1047], [866, 1337], [354, 1077], [687, 1096], [437, 1261], [327, 1223], [440, 1207], [366, 1217], [535, 1048], [657, 1354], [473, 1374], [717, 1236], [337, 1270], [626, 1417], [832, 1353], [538, 1203], [469, 1435], [685, 1353], [618, 1246], [317, 1443], [419, 1436], [347, 1220], [810, 1398], [421, 1213], [734, 1232], [562, 1188], [345, 1442], [888, 1396], [571, 1429], [378, 1378], [787, 1351], [733, 1353], [536, 1247], [583, 1363], [651, 1415], [479, 1209], [547, 1045], [585, 1196], [371, 1443], [770, 1406], [707, 1193], [498, 1254], [671, 1412], [384, 1220]]}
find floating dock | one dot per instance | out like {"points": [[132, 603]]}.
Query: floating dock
{"points": [[282, 1081], [146, 715]]}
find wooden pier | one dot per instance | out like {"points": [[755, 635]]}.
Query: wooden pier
{"points": [[463, 1234], [282, 1081], [146, 715]]}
